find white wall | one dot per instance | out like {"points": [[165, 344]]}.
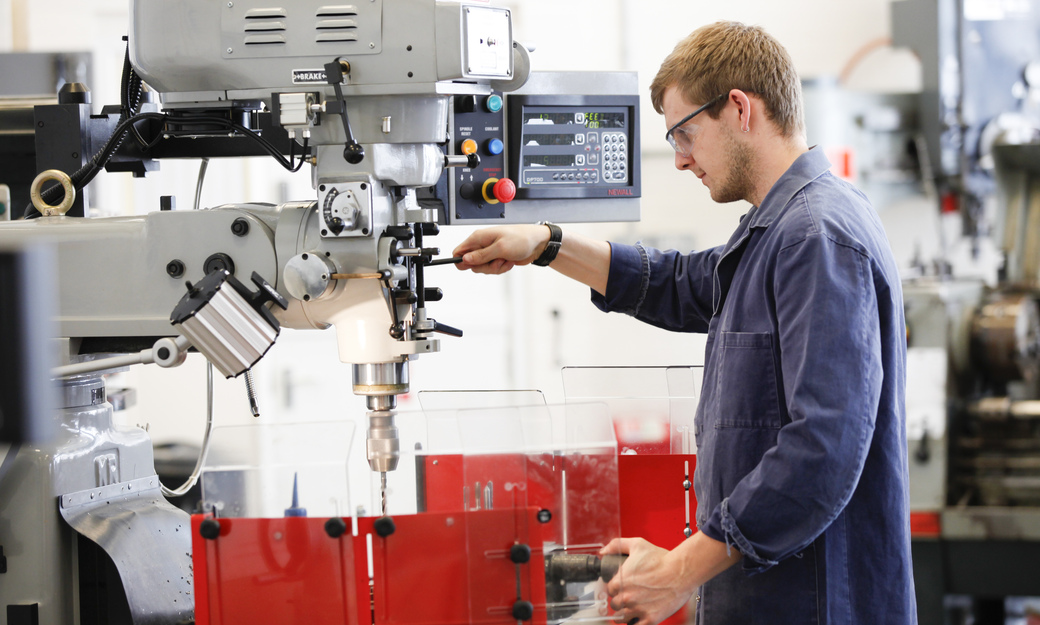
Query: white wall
{"points": [[520, 329]]}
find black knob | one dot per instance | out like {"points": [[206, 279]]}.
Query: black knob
{"points": [[175, 268], [399, 232], [219, 262], [520, 554], [384, 526], [468, 191], [335, 527], [433, 294], [209, 529], [465, 103], [240, 227], [544, 516], [354, 153], [523, 610]]}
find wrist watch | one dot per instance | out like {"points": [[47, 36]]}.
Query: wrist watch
{"points": [[552, 248]]}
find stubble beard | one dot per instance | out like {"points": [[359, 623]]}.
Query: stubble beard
{"points": [[739, 181]]}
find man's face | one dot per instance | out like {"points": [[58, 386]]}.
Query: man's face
{"points": [[716, 154]]}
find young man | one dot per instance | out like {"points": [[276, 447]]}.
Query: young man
{"points": [[802, 465]]}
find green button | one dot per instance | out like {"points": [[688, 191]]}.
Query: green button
{"points": [[3, 208], [493, 103]]}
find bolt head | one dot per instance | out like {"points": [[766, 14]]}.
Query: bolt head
{"points": [[335, 527], [384, 526], [210, 529]]}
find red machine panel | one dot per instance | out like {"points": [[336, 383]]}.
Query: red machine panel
{"points": [[284, 570], [449, 568]]}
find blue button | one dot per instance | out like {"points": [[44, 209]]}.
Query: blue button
{"points": [[494, 146], [493, 103]]}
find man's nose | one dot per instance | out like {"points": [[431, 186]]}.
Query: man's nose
{"points": [[683, 162]]}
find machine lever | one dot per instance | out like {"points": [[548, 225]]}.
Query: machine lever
{"points": [[462, 160], [353, 153], [444, 261], [443, 329]]}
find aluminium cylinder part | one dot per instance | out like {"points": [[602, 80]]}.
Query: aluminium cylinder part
{"points": [[308, 276], [221, 324], [83, 391], [381, 378], [1006, 337], [382, 446]]}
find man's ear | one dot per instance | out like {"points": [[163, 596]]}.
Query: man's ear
{"points": [[743, 107]]}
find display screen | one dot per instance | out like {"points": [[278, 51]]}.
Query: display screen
{"points": [[604, 120], [575, 145], [566, 139], [549, 160], [548, 119], [588, 119]]}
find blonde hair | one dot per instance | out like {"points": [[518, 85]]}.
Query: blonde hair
{"points": [[729, 55]]}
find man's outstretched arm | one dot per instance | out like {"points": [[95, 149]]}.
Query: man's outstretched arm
{"points": [[499, 249]]}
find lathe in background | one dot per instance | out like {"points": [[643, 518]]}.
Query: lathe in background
{"points": [[968, 147]]}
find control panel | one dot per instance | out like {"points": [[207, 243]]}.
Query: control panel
{"points": [[481, 192], [574, 146], [565, 148]]}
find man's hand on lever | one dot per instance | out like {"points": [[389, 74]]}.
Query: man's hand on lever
{"points": [[654, 583], [499, 249]]}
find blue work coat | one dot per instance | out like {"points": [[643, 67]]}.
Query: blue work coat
{"points": [[801, 432]]}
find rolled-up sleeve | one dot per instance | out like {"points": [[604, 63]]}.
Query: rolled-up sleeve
{"points": [[831, 367], [665, 289]]}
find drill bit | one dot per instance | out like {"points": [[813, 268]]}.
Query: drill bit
{"points": [[382, 491]]}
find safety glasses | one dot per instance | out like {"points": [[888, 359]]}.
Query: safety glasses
{"points": [[679, 138]]}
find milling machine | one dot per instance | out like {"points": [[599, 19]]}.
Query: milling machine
{"points": [[411, 113]]}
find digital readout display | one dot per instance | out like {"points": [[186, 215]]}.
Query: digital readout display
{"points": [[604, 120], [549, 139], [590, 119], [549, 160]]}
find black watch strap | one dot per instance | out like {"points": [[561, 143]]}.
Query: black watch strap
{"points": [[552, 248]]}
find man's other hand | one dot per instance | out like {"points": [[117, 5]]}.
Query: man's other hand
{"points": [[650, 586]]}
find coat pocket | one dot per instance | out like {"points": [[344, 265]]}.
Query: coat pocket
{"points": [[747, 381]]}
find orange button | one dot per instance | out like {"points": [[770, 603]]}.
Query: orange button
{"points": [[505, 190], [469, 146]]}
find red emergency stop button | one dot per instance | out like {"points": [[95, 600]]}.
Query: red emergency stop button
{"points": [[505, 190], [497, 190]]}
